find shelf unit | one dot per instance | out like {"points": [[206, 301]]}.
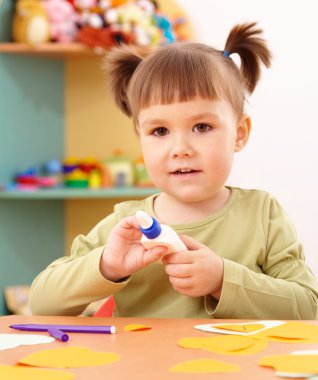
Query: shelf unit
{"points": [[50, 50], [55, 107], [109, 193], [59, 95]]}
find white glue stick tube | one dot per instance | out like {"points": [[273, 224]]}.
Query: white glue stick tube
{"points": [[156, 234]]}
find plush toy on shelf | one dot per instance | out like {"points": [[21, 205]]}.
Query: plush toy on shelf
{"points": [[30, 22], [99, 24], [63, 20]]}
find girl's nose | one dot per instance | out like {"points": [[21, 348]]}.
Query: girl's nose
{"points": [[181, 147]]}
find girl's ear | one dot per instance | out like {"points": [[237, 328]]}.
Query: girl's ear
{"points": [[243, 132]]}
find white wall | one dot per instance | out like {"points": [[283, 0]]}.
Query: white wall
{"points": [[282, 154]]}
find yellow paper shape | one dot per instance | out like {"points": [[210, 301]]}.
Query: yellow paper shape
{"points": [[69, 357], [291, 363], [136, 327], [26, 373], [226, 344], [241, 328], [204, 366], [292, 332]]}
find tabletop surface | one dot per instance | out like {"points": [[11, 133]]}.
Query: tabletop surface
{"points": [[145, 355]]}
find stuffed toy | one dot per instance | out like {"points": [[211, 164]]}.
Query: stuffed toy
{"points": [[100, 39], [135, 18], [30, 22], [63, 20]]}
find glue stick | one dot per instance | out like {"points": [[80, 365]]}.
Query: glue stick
{"points": [[156, 234]]}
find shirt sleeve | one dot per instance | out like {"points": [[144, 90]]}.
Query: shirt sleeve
{"points": [[286, 288], [70, 283]]}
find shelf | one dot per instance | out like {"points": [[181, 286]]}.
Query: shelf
{"points": [[53, 50], [113, 192]]}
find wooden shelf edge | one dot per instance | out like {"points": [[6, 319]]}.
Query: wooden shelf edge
{"points": [[109, 193], [58, 50]]}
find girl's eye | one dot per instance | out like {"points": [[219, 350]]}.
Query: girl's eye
{"points": [[161, 131], [201, 128]]}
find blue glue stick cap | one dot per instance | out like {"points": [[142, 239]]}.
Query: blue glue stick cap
{"points": [[148, 226]]}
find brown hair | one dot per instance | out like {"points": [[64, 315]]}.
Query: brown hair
{"points": [[179, 72]]}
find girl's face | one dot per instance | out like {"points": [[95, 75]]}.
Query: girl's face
{"points": [[188, 147]]}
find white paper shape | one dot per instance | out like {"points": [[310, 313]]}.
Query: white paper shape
{"points": [[14, 340], [290, 375], [210, 327], [305, 352]]}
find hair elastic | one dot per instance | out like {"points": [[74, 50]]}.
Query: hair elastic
{"points": [[226, 54]]}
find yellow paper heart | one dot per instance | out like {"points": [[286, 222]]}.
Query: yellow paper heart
{"points": [[204, 366], [226, 344], [291, 363], [291, 332], [26, 373], [69, 357]]}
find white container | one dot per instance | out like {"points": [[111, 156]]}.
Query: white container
{"points": [[156, 234]]}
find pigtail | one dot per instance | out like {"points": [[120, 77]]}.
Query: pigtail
{"points": [[120, 64], [246, 40]]}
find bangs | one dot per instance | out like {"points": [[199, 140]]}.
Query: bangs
{"points": [[179, 75]]}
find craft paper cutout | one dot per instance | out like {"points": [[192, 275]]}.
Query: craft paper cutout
{"points": [[69, 357], [26, 373], [225, 344], [298, 375], [204, 366], [214, 327], [136, 327], [15, 340], [292, 363], [292, 332], [244, 328], [305, 352]]}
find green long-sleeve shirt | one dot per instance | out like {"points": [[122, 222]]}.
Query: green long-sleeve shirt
{"points": [[265, 275]]}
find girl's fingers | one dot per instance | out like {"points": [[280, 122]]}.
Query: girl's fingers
{"points": [[154, 254], [183, 257], [191, 243], [179, 271], [180, 283]]}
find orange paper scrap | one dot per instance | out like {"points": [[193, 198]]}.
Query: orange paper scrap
{"points": [[69, 357], [136, 327], [226, 344], [296, 364], [26, 373], [204, 366]]}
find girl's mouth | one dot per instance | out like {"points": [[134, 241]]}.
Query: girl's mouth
{"points": [[185, 171]]}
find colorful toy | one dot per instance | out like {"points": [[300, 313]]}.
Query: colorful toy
{"points": [[166, 27], [102, 38], [31, 180], [142, 178], [135, 18], [121, 169], [30, 22], [116, 170], [63, 19], [99, 24]]}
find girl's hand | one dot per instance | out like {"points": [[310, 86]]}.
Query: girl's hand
{"points": [[124, 254], [196, 272]]}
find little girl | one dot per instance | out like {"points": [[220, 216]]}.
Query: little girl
{"points": [[243, 258]]}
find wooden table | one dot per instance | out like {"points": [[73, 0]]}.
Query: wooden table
{"points": [[144, 355]]}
